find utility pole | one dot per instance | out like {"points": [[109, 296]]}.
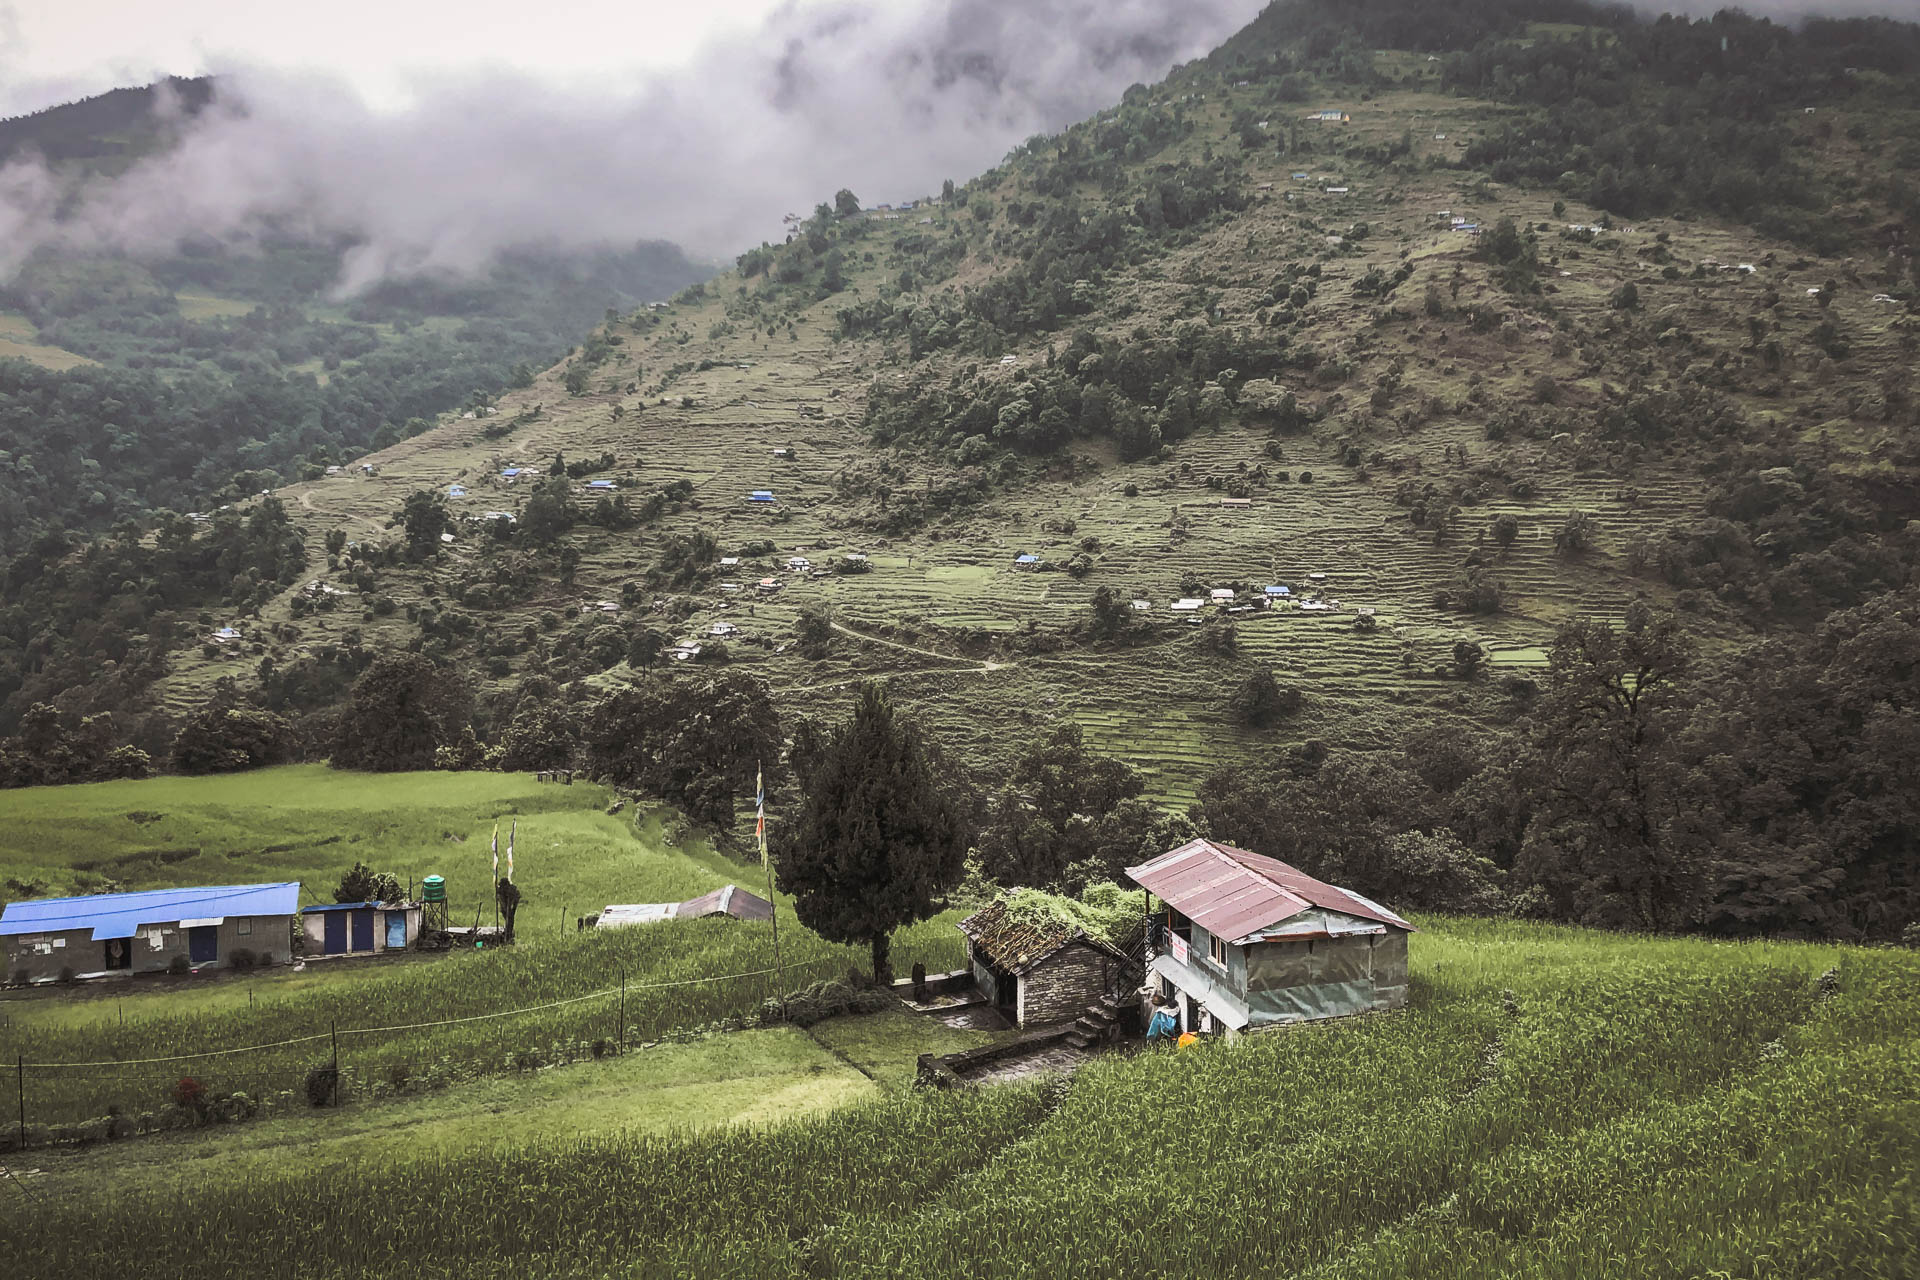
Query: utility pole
{"points": [[20, 1085]]}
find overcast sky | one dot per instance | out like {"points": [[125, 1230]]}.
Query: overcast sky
{"points": [[56, 50], [439, 134]]}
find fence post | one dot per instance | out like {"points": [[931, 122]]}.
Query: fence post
{"points": [[623, 1015], [20, 1085], [333, 1038]]}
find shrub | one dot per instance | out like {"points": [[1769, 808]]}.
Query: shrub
{"points": [[1306, 477], [242, 960], [323, 1085], [179, 966], [190, 1095], [66, 975]]}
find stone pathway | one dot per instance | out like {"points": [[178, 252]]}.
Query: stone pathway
{"points": [[973, 1017]]}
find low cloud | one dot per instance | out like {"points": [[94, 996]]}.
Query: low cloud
{"points": [[884, 96]]}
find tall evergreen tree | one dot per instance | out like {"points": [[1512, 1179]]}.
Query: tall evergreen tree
{"points": [[877, 840]]}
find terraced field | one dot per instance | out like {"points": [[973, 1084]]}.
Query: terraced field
{"points": [[699, 391]]}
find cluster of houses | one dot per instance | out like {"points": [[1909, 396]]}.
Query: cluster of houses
{"points": [[1232, 942], [208, 927]]}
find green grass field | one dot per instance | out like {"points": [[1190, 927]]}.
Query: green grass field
{"points": [[312, 823], [1553, 1103]]}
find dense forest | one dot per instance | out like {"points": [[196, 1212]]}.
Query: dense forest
{"points": [[184, 413]]}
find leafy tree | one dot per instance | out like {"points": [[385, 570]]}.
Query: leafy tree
{"points": [[424, 517], [227, 735], [549, 513], [1506, 527], [1260, 700], [694, 740], [402, 708], [813, 630], [1617, 838], [1576, 533], [1065, 817], [644, 648], [845, 203], [877, 840], [541, 736], [364, 884]]}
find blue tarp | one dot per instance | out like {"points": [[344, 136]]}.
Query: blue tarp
{"points": [[342, 906], [118, 915]]}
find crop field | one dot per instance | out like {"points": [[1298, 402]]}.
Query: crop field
{"points": [[19, 340], [571, 858], [1554, 1102]]}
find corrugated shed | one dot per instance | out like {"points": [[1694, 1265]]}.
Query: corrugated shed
{"points": [[119, 915], [730, 901], [1018, 945], [1232, 893]]}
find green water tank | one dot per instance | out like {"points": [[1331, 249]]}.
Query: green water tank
{"points": [[433, 889]]}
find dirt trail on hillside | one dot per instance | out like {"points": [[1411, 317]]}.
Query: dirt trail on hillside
{"points": [[984, 666]]}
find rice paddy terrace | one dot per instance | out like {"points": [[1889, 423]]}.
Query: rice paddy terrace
{"points": [[706, 390]]}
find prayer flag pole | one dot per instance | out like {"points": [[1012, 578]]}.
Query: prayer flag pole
{"points": [[766, 864]]}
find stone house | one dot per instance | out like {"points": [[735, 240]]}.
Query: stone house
{"points": [[1043, 974]]}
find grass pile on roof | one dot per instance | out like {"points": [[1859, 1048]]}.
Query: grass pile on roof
{"points": [[1105, 911]]}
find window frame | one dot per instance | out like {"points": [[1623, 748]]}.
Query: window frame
{"points": [[1217, 952]]}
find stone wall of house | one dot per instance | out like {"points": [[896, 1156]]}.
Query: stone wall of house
{"points": [[1060, 987]]}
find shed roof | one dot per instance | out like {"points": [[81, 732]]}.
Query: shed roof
{"points": [[119, 915], [1018, 945], [1232, 893], [730, 901]]}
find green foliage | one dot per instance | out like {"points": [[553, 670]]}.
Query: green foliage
{"points": [[364, 884], [403, 707], [227, 735], [877, 840], [694, 740], [1102, 910]]}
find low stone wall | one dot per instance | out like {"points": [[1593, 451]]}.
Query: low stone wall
{"points": [[949, 1071]]}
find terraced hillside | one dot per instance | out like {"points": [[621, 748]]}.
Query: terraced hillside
{"points": [[1456, 399]]}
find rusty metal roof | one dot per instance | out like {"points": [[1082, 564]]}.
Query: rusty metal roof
{"points": [[730, 901], [1232, 892], [1017, 945]]}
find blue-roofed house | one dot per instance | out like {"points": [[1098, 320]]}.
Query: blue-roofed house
{"points": [[760, 495], [147, 932], [1278, 593], [511, 473], [599, 484], [456, 491], [1026, 560]]}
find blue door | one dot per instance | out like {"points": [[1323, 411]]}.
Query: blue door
{"points": [[203, 943], [336, 935], [362, 930], [396, 931]]}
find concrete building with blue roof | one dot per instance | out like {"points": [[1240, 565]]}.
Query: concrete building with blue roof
{"points": [[147, 932]]}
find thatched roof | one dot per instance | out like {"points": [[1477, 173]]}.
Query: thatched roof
{"points": [[1017, 944]]}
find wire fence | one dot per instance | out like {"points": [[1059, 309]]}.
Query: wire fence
{"points": [[82, 1101]]}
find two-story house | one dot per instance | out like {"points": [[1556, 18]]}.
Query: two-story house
{"points": [[1242, 941]]}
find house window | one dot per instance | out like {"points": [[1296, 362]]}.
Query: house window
{"points": [[1217, 950], [243, 927]]}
